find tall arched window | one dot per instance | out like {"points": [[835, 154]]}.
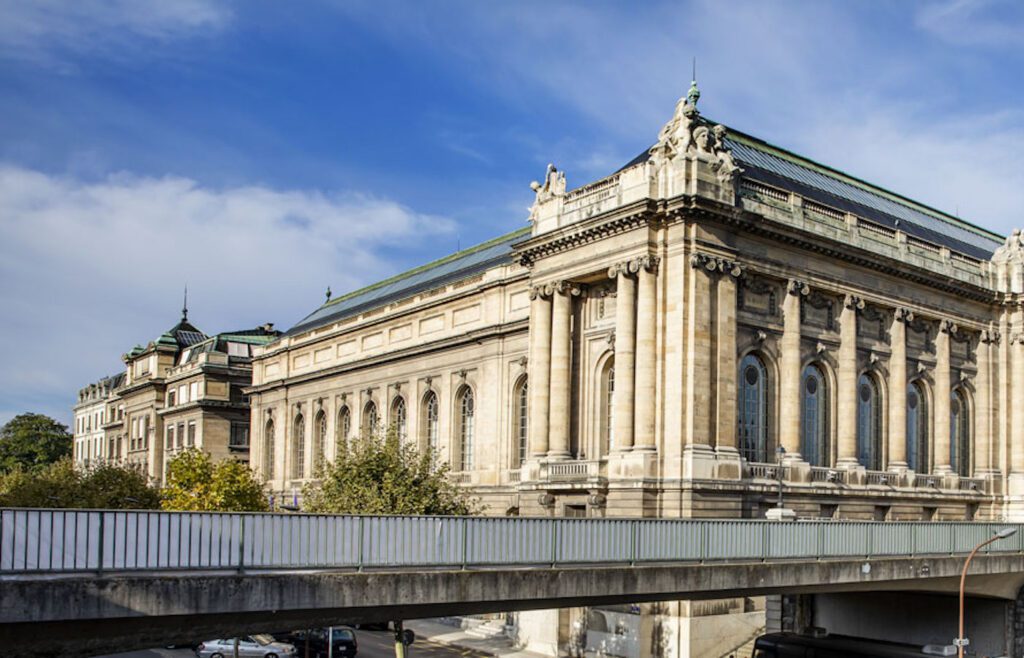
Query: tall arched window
{"points": [[299, 448], [268, 450], [320, 438], [467, 426], [959, 434], [430, 421], [370, 418], [753, 409], [814, 408], [917, 429], [607, 417], [398, 417], [520, 419], [343, 430], [869, 424]]}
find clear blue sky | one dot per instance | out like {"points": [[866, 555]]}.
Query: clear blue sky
{"points": [[261, 151]]}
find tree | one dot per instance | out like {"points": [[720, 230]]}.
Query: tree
{"points": [[196, 484], [61, 485], [381, 475], [32, 442]]}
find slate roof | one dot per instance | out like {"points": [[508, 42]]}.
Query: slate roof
{"points": [[780, 168], [218, 343], [458, 266]]}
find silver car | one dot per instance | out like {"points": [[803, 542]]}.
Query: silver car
{"points": [[263, 646]]}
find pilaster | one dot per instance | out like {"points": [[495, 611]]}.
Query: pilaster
{"points": [[789, 380], [646, 355], [561, 368], [847, 384], [943, 391], [625, 357], [539, 368], [984, 436], [898, 390]]}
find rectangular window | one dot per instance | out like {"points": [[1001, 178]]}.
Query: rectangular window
{"points": [[239, 435], [193, 391], [182, 394], [170, 437], [238, 349], [181, 433], [191, 433], [170, 398]]}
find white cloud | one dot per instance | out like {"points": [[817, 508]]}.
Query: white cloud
{"points": [[89, 269], [985, 23], [51, 31]]}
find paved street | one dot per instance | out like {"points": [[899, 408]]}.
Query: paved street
{"points": [[372, 644]]}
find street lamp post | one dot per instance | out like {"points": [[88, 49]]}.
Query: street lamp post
{"points": [[962, 641]]}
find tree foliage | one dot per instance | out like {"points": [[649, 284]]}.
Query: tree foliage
{"points": [[61, 485], [32, 442], [195, 483], [377, 474]]}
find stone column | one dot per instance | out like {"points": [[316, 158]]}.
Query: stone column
{"points": [[646, 356], [1017, 399], [724, 356], [983, 439], [561, 356], [898, 389], [539, 367], [942, 393], [789, 367], [846, 389], [623, 396]]}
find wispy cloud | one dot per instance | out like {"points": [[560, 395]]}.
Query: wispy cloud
{"points": [[988, 23], [52, 32], [92, 268]]}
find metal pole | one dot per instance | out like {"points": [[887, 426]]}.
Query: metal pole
{"points": [[330, 642], [399, 644], [961, 641]]}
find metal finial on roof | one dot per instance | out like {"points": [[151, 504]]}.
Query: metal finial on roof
{"points": [[184, 306], [328, 293], [693, 95]]}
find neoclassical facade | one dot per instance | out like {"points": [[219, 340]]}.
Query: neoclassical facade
{"points": [[716, 320]]}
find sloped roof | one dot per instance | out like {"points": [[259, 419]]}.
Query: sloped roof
{"points": [[778, 167], [458, 266]]}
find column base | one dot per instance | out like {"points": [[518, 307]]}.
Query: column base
{"points": [[1015, 497], [698, 462], [558, 455], [728, 465], [633, 465], [780, 514]]}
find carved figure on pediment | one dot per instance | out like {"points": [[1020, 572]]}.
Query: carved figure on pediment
{"points": [[553, 186], [676, 136], [1012, 248], [701, 141], [726, 166]]}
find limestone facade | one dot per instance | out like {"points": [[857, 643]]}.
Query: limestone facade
{"points": [[718, 319], [92, 413]]}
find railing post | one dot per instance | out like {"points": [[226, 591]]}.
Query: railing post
{"points": [[633, 539], [703, 540], [99, 561], [359, 564], [871, 541], [913, 540], [554, 543], [465, 542], [821, 539], [241, 542], [765, 538]]}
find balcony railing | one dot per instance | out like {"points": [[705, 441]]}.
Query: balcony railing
{"points": [[576, 470], [827, 475], [763, 471], [880, 478]]}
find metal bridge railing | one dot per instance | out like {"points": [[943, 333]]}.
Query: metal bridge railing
{"points": [[97, 541]]}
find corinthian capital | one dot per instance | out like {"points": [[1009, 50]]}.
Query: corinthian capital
{"points": [[904, 315], [854, 302], [539, 292], [798, 287], [564, 287]]}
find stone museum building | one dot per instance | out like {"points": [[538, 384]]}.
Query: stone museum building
{"points": [[718, 319], [182, 390]]}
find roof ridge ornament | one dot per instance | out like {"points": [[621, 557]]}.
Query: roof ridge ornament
{"points": [[693, 95], [184, 306]]}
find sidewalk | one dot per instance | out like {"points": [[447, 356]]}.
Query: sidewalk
{"points": [[432, 631]]}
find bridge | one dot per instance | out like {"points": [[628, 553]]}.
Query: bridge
{"points": [[74, 582]]}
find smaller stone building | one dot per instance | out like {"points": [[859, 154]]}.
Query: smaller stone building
{"points": [[91, 418]]}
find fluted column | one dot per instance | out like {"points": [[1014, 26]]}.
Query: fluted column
{"points": [[539, 367], [625, 357], [898, 389], [983, 435], [846, 389], [789, 384], [943, 390], [646, 356], [561, 357], [1017, 397]]}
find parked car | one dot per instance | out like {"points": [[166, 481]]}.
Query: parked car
{"points": [[791, 645], [261, 646], [343, 639]]}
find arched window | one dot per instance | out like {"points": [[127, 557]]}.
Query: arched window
{"points": [[467, 414], [320, 438], [869, 424], [814, 408], [607, 418], [520, 420], [299, 448], [430, 422], [917, 429], [959, 434], [398, 417], [268, 450], [753, 409], [342, 431], [370, 418]]}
